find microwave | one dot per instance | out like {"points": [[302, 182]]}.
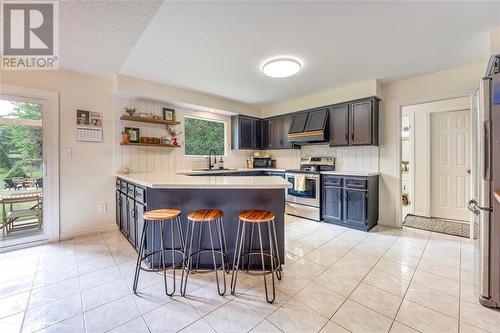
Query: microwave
{"points": [[262, 162]]}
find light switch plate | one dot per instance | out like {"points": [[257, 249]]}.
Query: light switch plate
{"points": [[102, 208], [68, 151]]}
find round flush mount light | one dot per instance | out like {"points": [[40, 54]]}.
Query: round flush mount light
{"points": [[281, 67]]}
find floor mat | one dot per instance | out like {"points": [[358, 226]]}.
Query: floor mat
{"points": [[444, 226]]}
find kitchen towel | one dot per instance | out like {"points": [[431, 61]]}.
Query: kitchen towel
{"points": [[299, 183]]}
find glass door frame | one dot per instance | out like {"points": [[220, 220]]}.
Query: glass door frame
{"points": [[49, 101]]}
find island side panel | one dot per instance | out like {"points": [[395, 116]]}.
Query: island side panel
{"points": [[231, 202]]}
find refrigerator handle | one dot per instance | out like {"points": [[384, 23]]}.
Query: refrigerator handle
{"points": [[487, 150]]}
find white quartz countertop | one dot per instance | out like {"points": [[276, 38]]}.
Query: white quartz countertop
{"points": [[178, 181], [216, 171], [351, 173]]}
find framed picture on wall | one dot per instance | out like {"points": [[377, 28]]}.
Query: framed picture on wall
{"points": [[133, 134], [168, 114]]}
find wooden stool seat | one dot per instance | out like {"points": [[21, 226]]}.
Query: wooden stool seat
{"points": [[205, 215], [257, 216], [161, 214]]}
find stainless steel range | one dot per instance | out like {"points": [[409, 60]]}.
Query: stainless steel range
{"points": [[304, 198]]}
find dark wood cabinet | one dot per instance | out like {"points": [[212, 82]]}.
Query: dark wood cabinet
{"points": [[350, 201], [123, 214], [352, 123], [287, 121], [339, 125], [355, 207], [275, 132], [130, 208], [360, 123], [131, 220], [139, 222], [332, 203], [246, 132], [355, 123]]}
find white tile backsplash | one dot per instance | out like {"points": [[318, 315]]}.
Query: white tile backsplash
{"points": [[165, 160]]}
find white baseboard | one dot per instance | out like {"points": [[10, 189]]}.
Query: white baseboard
{"points": [[88, 231], [388, 223]]}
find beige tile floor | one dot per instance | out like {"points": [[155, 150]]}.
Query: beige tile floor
{"points": [[335, 280]]}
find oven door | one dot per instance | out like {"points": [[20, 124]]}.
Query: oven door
{"points": [[310, 196]]}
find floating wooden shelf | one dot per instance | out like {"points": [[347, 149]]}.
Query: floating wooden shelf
{"points": [[497, 196], [149, 145], [149, 120]]}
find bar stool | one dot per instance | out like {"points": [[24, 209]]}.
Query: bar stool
{"points": [[156, 219], [256, 218], [203, 217]]}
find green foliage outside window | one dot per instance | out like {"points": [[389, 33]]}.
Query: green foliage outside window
{"points": [[202, 135]]}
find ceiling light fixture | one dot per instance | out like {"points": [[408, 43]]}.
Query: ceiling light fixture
{"points": [[281, 67]]}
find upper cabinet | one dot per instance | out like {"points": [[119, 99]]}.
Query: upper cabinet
{"points": [[339, 125], [246, 132], [275, 132], [348, 124], [355, 123]]}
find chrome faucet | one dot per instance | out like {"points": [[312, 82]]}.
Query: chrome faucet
{"points": [[210, 164]]}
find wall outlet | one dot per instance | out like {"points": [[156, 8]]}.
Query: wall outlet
{"points": [[102, 208]]}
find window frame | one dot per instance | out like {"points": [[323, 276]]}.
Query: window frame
{"points": [[206, 119]]}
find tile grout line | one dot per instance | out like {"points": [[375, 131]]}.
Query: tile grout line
{"points": [[409, 283], [29, 296], [361, 281]]}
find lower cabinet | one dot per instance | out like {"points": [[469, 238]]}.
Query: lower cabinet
{"points": [[355, 208], [139, 221], [332, 203], [130, 208], [350, 201]]}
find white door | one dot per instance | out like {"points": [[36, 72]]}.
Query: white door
{"points": [[450, 178]]}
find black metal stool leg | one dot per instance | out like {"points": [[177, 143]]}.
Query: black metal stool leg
{"points": [[200, 233], [237, 255], [187, 267], [223, 245], [139, 257], [162, 257], [215, 263], [271, 246], [252, 230], [279, 270]]}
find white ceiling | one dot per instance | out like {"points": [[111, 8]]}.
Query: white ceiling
{"points": [[218, 47], [95, 37]]}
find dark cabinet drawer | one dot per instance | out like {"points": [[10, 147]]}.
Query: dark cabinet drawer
{"points": [[332, 181], [131, 190], [124, 186], [358, 183], [118, 184], [140, 195]]}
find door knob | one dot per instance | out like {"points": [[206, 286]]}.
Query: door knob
{"points": [[468, 171]]}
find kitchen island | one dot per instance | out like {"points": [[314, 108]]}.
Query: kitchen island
{"points": [[136, 193]]}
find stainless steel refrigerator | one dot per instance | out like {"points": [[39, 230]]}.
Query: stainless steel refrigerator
{"points": [[484, 206]]}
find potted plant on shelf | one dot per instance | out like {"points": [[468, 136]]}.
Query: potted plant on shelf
{"points": [[130, 111], [173, 134], [125, 137]]}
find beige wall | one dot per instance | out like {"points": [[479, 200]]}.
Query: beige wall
{"points": [[339, 95], [431, 87], [86, 179]]}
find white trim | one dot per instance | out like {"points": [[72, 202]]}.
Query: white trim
{"points": [[50, 104], [88, 231], [398, 209], [226, 135]]}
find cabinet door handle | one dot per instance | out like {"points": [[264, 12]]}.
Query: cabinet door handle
{"points": [[352, 136], [346, 196], [346, 136], [340, 195]]}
